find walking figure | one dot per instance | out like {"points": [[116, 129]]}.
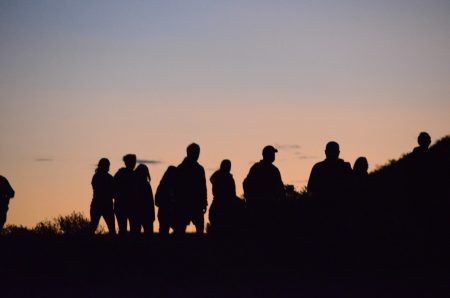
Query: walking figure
{"points": [[102, 200]]}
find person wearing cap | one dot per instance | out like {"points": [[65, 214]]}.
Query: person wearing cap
{"points": [[264, 189]]}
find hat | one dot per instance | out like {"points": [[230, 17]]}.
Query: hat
{"points": [[269, 149]]}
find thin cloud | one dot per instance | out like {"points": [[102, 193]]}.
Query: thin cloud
{"points": [[301, 155], [287, 146], [149, 161], [44, 159], [306, 157]]}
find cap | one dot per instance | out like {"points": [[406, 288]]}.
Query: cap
{"points": [[269, 149]]}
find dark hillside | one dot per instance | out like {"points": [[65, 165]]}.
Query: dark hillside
{"points": [[387, 239]]}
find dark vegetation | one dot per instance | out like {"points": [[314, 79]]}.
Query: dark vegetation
{"points": [[391, 239]]}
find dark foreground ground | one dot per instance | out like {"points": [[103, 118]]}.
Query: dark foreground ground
{"points": [[282, 266]]}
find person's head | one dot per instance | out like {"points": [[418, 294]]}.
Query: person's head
{"points": [[268, 153], [332, 150], [225, 165], [170, 173], [103, 166], [142, 172], [361, 165], [130, 161], [193, 151], [424, 140]]}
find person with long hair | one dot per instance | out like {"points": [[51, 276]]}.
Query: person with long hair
{"points": [[143, 209], [165, 200], [102, 200]]}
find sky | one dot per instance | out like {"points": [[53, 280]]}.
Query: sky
{"points": [[82, 80]]}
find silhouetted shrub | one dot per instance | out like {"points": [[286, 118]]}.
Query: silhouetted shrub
{"points": [[73, 224], [16, 231], [47, 228]]}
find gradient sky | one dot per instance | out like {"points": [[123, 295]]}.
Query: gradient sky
{"points": [[81, 80]]}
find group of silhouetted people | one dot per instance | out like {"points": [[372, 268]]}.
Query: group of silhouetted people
{"points": [[339, 192], [181, 196], [128, 196]]}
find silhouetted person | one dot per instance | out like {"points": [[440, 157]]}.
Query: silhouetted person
{"points": [[224, 213], [264, 191], [102, 200], [330, 178], [143, 209], [6, 193], [424, 141], [165, 200], [190, 192], [360, 207], [329, 185], [423, 202], [125, 192]]}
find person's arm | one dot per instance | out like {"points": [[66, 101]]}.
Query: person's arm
{"points": [[281, 190], [311, 187], [9, 191], [203, 191]]}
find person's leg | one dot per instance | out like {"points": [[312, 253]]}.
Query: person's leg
{"points": [[121, 222], [95, 219], [108, 215], [2, 217], [199, 221], [164, 228], [135, 225], [148, 228]]}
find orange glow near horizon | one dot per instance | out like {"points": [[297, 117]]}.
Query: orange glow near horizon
{"points": [[84, 80]]}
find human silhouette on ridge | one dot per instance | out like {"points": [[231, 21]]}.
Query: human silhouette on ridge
{"points": [[165, 200], [6, 193], [424, 141], [264, 191], [190, 192], [102, 199], [224, 213], [330, 178], [143, 209], [125, 188]]}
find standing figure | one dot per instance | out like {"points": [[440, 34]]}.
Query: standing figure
{"points": [[424, 141], [165, 200], [190, 192], [6, 193], [329, 179], [124, 181], [264, 192], [102, 200], [143, 211], [360, 208], [224, 210], [329, 184]]}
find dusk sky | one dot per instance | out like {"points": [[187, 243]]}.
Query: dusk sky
{"points": [[82, 80]]}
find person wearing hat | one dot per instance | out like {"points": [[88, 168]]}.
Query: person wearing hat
{"points": [[264, 190]]}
